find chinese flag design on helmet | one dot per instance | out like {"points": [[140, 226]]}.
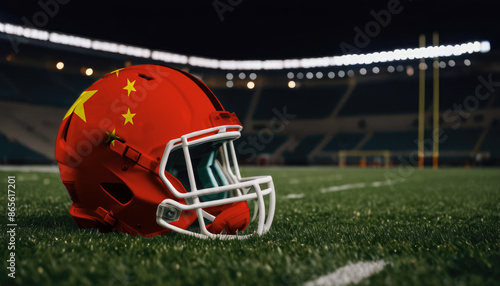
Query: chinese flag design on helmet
{"points": [[149, 149]]}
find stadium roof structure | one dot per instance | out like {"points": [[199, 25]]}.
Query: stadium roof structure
{"points": [[262, 30]]}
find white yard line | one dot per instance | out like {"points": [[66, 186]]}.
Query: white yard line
{"points": [[355, 186], [351, 273], [293, 196], [30, 168]]}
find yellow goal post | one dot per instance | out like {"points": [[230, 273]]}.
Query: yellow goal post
{"points": [[343, 154]]}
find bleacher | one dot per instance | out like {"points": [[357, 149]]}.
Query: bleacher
{"points": [[454, 91], [491, 142], [248, 151], [387, 97], [393, 140], [12, 152], [344, 141], [41, 86], [306, 103], [300, 154], [235, 100]]}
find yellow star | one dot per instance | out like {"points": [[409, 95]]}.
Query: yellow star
{"points": [[77, 107], [130, 86], [128, 117], [111, 137], [116, 71]]}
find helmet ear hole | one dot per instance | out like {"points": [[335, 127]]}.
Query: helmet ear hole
{"points": [[118, 191]]}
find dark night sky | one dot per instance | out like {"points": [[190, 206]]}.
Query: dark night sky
{"points": [[263, 29]]}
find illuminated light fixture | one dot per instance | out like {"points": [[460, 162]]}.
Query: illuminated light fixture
{"points": [[309, 75], [341, 73], [409, 70], [362, 71], [375, 70], [422, 66], [60, 65], [291, 84], [442, 64], [390, 69], [467, 62], [242, 75], [319, 75], [252, 76], [290, 75], [343, 60], [229, 76], [250, 85], [331, 74], [300, 75], [89, 71], [451, 63], [350, 73], [229, 84]]}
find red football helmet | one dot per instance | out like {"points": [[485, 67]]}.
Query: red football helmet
{"points": [[149, 149]]}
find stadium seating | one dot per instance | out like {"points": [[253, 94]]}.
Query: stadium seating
{"points": [[461, 139], [393, 140], [235, 100], [15, 153], [454, 91], [344, 141], [387, 97], [306, 103], [41, 86], [300, 154], [491, 142]]}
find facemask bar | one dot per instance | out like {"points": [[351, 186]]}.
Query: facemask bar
{"points": [[239, 186]]}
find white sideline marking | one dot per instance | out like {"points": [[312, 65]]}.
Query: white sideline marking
{"points": [[355, 186], [294, 196], [30, 168], [351, 273]]}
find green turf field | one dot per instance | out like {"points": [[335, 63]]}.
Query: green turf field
{"points": [[430, 228]]}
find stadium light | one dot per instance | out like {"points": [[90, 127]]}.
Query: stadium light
{"points": [[250, 85], [291, 84], [409, 70], [89, 71], [60, 65], [305, 63]]}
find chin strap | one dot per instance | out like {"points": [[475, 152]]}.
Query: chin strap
{"points": [[233, 218], [135, 156]]}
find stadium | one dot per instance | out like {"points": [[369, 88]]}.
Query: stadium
{"points": [[379, 122]]}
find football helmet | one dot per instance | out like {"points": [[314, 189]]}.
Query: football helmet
{"points": [[148, 149]]}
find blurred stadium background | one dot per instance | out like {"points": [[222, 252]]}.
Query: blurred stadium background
{"points": [[295, 112]]}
